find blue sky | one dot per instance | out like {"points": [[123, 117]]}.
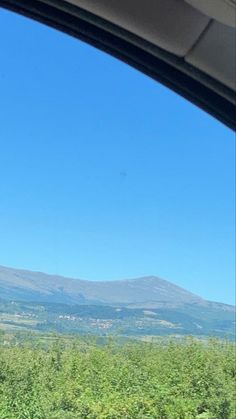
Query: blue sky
{"points": [[105, 174]]}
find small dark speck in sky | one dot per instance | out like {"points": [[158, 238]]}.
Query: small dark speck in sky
{"points": [[123, 174]]}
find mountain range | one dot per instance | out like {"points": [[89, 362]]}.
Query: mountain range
{"points": [[157, 306], [26, 285]]}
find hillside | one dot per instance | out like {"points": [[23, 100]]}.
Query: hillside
{"points": [[101, 320], [151, 291], [141, 307]]}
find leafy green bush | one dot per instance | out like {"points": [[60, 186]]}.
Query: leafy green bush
{"points": [[170, 380]]}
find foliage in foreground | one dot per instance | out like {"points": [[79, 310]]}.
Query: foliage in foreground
{"points": [[138, 380]]}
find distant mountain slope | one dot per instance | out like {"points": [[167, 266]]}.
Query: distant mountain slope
{"points": [[23, 285], [147, 306], [103, 320]]}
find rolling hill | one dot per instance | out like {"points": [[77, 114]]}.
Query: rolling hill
{"points": [[26, 285], [147, 306]]}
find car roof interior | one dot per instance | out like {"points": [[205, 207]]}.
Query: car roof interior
{"points": [[188, 45]]}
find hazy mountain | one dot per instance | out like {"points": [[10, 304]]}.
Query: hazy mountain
{"points": [[132, 307], [23, 285]]}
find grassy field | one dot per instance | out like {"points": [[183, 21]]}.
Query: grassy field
{"points": [[60, 378]]}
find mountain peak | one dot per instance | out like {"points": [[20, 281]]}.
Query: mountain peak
{"points": [[21, 284]]}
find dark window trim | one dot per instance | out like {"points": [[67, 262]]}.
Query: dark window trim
{"points": [[163, 67]]}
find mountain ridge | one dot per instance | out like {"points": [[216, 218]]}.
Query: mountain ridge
{"points": [[146, 306], [26, 285]]}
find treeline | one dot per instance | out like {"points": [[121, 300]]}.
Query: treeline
{"points": [[191, 379]]}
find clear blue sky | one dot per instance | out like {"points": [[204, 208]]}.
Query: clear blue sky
{"points": [[105, 174]]}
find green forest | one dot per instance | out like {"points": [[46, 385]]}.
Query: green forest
{"points": [[75, 378]]}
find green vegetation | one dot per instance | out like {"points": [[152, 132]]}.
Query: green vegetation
{"points": [[70, 378], [102, 320]]}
